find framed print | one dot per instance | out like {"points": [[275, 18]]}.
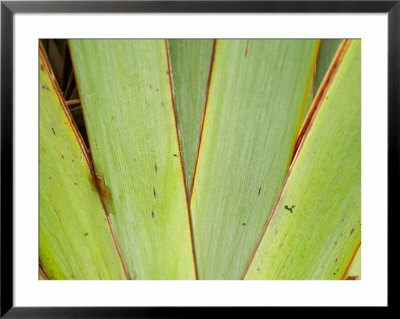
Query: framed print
{"points": [[159, 156]]}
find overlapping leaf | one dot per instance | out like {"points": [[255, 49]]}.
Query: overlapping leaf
{"points": [[75, 237], [315, 227], [190, 64], [127, 102], [257, 92]]}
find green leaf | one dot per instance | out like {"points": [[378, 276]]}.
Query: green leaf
{"points": [[190, 64], [354, 271], [256, 96], [127, 103], [74, 233], [310, 99], [315, 227], [327, 51], [326, 54]]}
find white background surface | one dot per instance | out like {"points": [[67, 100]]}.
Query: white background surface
{"points": [[370, 291]]}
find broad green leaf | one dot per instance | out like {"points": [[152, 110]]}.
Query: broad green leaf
{"points": [[127, 103], [257, 92], [190, 64], [326, 54], [75, 237], [315, 228]]}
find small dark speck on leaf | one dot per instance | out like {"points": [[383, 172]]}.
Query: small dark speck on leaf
{"points": [[335, 242], [157, 89], [152, 214], [342, 220], [259, 191], [86, 234], [49, 177], [154, 192], [62, 156], [175, 155], [155, 167], [75, 183], [336, 260], [53, 131], [290, 208], [276, 231], [258, 269], [73, 161], [162, 103], [352, 230], [244, 224], [334, 273]]}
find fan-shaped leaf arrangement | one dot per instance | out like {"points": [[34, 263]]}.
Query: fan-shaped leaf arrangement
{"points": [[205, 159]]}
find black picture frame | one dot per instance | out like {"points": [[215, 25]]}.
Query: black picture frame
{"points": [[9, 8]]}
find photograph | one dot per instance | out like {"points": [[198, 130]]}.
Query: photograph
{"points": [[164, 159], [199, 159]]}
